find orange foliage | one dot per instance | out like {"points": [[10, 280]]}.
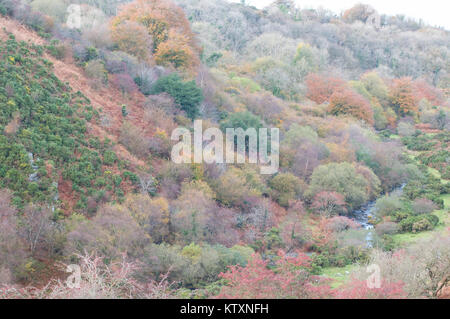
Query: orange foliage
{"points": [[321, 88], [348, 102], [132, 38], [164, 22], [175, 51], [321, 234], [402, 97]]}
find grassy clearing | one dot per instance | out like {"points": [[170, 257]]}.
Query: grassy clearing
{"points": [[444, 224], [443, 214], [339, 274]]}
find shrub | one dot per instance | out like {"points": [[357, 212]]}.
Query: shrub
{"points": [[265, 105], [190, 214], [386, 228], [84, 53], [96, 70], [145, 76], [359, 12], [421, 225], [160, 144], [124, 83], [134, 140], [99, 36], [57, 49], [376, 87], [244, 120], [186, 94], [245, 83], [418, 223], [423, 206], [388, 205]]}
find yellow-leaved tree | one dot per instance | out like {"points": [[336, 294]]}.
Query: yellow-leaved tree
{"points": [[172, 40]]}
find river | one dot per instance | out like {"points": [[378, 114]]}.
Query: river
{"points": [[364, 214]]}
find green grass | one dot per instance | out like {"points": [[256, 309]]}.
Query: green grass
{"points": [[444, 223], [339, 274], [444, 217]]}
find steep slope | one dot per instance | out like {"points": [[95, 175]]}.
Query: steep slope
{"points": [[54, 147], [107, 99]]}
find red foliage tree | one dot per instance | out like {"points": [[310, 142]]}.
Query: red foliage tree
{"points": [[402, 97], [424, 90], [348, 102], [320, 88], [290, 279]]}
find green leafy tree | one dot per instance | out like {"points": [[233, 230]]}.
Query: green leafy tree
{"points": [[286, 187], [186, 94], [242, 120], [341, 178]]}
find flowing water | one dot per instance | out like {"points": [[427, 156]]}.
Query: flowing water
{"points": [[367, 212]]}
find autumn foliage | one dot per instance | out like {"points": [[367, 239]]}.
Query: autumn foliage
{"points": [[348, 102], [86, 175], [321, 88], [166, 25], [290, 279], [359, 289], [402, 97], [175, 51], [423, 90], [329, 203], [133, 38]]}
